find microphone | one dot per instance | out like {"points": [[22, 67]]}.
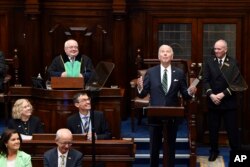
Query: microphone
{"points": [[94, 86]]}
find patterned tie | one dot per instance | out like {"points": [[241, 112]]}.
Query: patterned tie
{"points": [[165, 81], [62, 160], [86, 124]]}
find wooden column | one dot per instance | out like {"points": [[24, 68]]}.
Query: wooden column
{"points": [[120, 41], [32, 56]]}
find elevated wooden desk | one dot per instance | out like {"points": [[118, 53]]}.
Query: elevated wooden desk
{"points": [[112, 153], [55, 106], [67, 82]]}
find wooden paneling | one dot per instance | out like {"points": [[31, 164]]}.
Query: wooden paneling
{"points": [[53, 107], [118, 28], [3, 32]]}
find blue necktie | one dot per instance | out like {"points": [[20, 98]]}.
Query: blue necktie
{"points": [[86, 124]]}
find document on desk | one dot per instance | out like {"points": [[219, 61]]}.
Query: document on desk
{"points": [[26, 137], [194, 83]]}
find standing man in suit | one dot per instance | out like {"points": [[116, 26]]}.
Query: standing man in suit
{"points": [[163, 82], [71, 63], [63, 155], [80, 122], [221, 100], [2, 70]]}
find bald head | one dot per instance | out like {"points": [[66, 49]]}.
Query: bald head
{"points": [[64, 140], [220, 48], [71, 48], [222, 43], [70, 42], [63, 134]]}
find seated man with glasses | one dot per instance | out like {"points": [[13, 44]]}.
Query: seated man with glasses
{"points": [[71, 63], [63, 155], [80, 122]]}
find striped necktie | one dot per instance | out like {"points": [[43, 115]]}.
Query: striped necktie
{"points": [[165, 81], [86, 124]]}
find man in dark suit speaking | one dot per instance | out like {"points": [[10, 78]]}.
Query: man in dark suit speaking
{"points": [[163, 82], [63, 155], [80, 122]]}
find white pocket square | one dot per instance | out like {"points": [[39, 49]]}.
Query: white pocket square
{"points": [[176, 80]]}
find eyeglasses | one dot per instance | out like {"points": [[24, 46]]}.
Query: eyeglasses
{"points": [[72, 47], [84, 100]]}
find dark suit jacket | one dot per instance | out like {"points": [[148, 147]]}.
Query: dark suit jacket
{"points": [[215, 82], [57, 66], [100, 123], [74, 158], [152, 85], [34, 125]]}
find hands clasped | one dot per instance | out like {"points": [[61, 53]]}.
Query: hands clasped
{"points": [[216, 98]]}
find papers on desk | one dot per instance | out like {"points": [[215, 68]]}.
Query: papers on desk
{"points": [[26, 137], [193, 84]]}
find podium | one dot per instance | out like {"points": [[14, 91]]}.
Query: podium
{"points": [[67, 83], [163, 113]]}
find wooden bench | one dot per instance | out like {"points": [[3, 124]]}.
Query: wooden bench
{"points": [[110, 153]]}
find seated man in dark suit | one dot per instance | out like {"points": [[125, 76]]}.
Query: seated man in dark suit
{"points": [[71, 63], [63, 154], [2, 70], [80, 123]]}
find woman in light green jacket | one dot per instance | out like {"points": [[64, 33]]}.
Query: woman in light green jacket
{"points": [[10, 155]]}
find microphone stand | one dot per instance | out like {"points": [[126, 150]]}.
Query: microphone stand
{"points": [[95, 83], [94, 95]]}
